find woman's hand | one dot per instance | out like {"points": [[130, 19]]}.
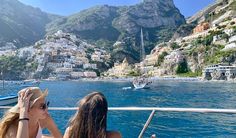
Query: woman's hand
{"points": [[23, 102]]}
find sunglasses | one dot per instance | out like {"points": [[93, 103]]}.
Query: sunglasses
{"points": [[45, 105]]}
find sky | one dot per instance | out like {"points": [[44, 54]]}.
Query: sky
{"points": [[68, 7]]}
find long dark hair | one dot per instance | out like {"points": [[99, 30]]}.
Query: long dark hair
{"points": [[90, 120]]}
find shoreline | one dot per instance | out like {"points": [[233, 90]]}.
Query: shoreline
{"points": [[154, 79], [130, 79]]}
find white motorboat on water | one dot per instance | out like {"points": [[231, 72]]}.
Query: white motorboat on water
{"points": [[9, 99], [30, 83], [141, 83]]}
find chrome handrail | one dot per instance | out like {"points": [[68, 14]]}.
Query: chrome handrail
{"points": [[147, 124], [200, 110], [153, 109]]}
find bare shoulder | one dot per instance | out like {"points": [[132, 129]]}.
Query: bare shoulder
{"points": [[113, 134], [66, 134]]}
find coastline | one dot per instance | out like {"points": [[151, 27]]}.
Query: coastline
{"points": [[130, 79], [154, 79]]}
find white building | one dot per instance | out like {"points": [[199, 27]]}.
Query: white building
{"points": [[89, 66], [232, 39], [175, 56], [219, 72], [54, 66], [230, 47], [90, 74], [67, 65], [76, 75], [96, 56]]}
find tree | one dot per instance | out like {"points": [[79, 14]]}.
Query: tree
{"points": [[207, 41], [161, 58], [182, 67], [174, 46]]}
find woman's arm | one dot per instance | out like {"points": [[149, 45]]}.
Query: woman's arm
{"points": [[23, 125], [51, 126]]}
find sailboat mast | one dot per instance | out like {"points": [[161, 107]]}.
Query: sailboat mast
{"points": [[142, 50]]}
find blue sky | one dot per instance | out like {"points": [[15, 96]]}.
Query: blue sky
{"points": [[68, 7]]}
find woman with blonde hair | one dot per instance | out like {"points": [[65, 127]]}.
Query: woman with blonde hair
{"points": [[28, 117], [90, 121]]}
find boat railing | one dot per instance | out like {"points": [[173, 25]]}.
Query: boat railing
{"points": [[153, 111]]}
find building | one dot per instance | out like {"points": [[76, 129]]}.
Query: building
{"points": [[201, 27], [175, 57], [119, 70], [219, 72], [96, 56], [231, 46], [90, 74], [76, 75], [89, 66]]}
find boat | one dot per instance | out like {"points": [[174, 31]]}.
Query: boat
{"points": [[36, 82], [9, 99], [30, 83], [142, 82]]}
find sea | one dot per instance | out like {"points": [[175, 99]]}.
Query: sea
{"points": [[162, 93]]}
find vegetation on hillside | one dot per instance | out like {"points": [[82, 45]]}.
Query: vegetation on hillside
{"points": [[15, 68]]}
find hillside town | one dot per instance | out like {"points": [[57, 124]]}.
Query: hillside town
{"points": [[65, 56]]}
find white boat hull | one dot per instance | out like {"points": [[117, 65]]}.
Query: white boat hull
{"points": [[8, 100], [141, 83], [139, 86]]}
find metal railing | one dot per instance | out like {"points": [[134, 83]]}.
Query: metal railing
{"points": [[153, 109]]}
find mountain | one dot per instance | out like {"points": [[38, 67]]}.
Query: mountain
{"points": [[20, 24], [105, 25]]}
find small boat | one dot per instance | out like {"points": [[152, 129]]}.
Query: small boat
{"points": [[30, 83], [36, 82], [9, 99], [141, 83]]}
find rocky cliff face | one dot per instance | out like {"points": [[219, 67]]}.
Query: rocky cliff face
{"points": [[158, 18], [20, 24], [149, 14], [93, 23]]}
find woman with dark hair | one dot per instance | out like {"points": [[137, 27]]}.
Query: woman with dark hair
{"points": [[90, 121]]}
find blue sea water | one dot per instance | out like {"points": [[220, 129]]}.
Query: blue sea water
{"points": [[161, 94]]}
